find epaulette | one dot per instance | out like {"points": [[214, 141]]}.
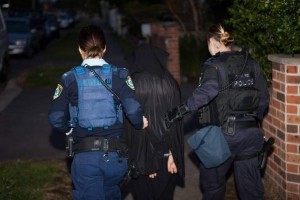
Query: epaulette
{"points": [[68, 77], [120, 72], [67, 73]]}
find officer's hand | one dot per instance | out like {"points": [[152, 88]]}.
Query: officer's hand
{"points": [[175, 114], [145, 122], [171, 116]]}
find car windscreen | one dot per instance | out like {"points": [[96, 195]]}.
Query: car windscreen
{"points": [[52, 19]]}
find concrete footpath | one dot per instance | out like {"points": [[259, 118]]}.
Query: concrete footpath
{"points": [[26, 134]]}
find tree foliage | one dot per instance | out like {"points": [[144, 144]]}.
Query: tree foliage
{"points": [[266, 27]]}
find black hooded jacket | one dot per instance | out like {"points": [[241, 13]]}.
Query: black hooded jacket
{"points": [[157, 91]]}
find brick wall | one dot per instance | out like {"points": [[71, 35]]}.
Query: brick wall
{"points": [[166, 36], [283, 123]]}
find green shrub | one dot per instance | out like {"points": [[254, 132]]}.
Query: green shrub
{"points": [[266, 27]]}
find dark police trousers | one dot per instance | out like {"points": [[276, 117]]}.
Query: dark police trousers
{"points": [[96, 176], [246, 141]]}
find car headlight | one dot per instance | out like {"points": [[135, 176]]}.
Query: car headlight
{"points": [[20, 42], [53, 28]]}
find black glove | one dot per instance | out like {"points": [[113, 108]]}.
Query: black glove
{"points": [[175, 114]]}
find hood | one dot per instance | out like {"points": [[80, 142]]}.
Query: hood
{"points": [[147, 58]]}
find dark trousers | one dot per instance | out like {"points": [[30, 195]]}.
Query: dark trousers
{"points": [[246, 173], [96, 178], [159, 188]]}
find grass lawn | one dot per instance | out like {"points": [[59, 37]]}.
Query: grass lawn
{"points": [[35, 180]]}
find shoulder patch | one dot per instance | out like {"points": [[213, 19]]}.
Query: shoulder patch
{"points": [[129, 82], [58, 91]]}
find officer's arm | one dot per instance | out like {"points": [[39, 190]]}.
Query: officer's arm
{"points": [[58, 114], [132, 107], [206, 91], [202, 95]]}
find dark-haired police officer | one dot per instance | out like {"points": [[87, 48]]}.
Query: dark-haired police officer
{"points": [[90, 100], [233, 94]]}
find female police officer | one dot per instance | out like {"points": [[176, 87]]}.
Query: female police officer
{"points": [[233, 94], [89, 99]]}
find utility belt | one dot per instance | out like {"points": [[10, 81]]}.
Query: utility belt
{"points": [[232, 124], [97, 143]]}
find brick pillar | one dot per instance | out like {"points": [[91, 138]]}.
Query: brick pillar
{"points": [[166, 36], [283, 123]]}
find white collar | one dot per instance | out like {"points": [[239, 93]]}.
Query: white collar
{"points": [[94, 62]]}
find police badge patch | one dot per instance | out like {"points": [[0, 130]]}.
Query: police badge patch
{"points": [[129, 82], [58, 91]]}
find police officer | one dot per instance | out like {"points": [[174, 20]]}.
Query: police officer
{"points": [[89, 100], [233, 94]]}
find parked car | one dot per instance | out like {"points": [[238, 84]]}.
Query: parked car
{"points": [[52, 23], [4, 56], [22, 38], [38, 22], [65, 20]]}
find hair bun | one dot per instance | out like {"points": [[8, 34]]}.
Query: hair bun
{"points": [[225, 37]]}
